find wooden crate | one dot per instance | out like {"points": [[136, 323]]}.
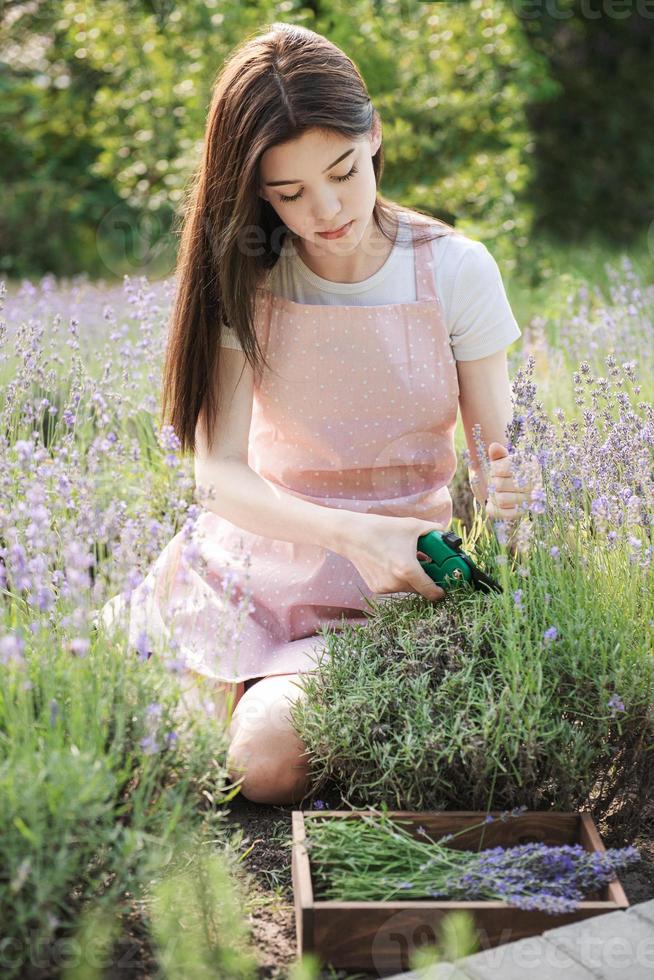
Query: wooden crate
{"points": [[382, 936]]}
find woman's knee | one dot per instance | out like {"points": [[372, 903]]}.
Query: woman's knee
{"points": [[268, 779], [265, 751]]}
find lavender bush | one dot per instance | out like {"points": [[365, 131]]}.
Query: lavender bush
{"points": [[105, 766], [543, 694]]}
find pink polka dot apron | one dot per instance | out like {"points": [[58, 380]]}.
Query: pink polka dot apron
{"points": [[357, 412]]}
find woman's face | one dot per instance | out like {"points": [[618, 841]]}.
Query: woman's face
{"points": [[321, 181]]}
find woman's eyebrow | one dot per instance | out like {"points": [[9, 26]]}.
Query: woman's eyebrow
{"points": [[276, 183]]}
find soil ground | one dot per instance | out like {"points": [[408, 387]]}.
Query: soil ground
{"points": [[267, 882]]}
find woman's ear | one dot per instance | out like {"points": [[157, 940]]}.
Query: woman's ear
{"points": [[376, 135]]}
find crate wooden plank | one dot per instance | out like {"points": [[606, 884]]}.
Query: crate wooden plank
{"points": [[302, 884], [589, 837]]}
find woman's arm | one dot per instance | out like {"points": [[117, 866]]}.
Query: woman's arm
{"points": [[485, 398]]}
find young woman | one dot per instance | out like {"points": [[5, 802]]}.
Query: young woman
{"points": [[322, 341]]}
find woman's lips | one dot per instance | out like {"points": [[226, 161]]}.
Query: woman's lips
{"points": [[343, 230]]}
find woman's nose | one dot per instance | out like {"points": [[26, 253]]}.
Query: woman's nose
{"points": [[325, 210]]}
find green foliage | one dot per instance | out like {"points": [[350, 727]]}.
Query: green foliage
{"points": [[104, 106], [90, 949], [499, 119], [52, 201], [200, 896], [84, 804], [593, 153], [457, 939]]}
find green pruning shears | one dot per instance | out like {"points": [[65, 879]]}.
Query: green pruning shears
{"points": [[449, 566]]}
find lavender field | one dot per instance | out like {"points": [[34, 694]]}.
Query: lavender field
{"points": [[113, 789]]}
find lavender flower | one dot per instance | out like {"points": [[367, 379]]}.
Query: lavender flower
{"points": [[537, 876], [502, 531], [538, 500], [149, 745], [11, 648], [615, 704], [79, 645], [142, 646], [550, 634]]}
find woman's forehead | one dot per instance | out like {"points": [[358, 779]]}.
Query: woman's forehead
{"points": [[309, 153]]}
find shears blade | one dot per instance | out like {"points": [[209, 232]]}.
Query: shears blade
{"points": [[481, 581]]}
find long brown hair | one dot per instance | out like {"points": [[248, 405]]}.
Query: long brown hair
{"points": [[273, 87]]}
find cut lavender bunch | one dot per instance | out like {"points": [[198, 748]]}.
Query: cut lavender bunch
{"points": [[376, 860], [537, 876]]}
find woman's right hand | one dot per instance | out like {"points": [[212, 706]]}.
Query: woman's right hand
{"points": [[384, 550]]}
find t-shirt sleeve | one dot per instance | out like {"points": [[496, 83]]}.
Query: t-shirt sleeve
{"points": [[228, 338], [481, 318]]}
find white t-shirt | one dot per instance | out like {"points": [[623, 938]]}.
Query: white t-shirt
{"points": [[476, 311]]}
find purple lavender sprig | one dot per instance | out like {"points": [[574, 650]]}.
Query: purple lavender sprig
{"points": [[537, 876], [378, 860]]}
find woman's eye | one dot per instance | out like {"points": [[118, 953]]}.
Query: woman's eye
{"points": [[283, 197], [346, 176]]}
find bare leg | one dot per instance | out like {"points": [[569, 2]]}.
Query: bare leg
{"points": [[265, 748]]}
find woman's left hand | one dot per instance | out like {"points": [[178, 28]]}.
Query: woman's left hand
{"points": [[505, 501]]}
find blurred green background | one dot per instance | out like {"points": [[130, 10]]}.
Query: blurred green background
{"points": [[521, 123]]}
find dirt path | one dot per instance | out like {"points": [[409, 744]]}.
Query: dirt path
{"points": [[269, 861]]}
